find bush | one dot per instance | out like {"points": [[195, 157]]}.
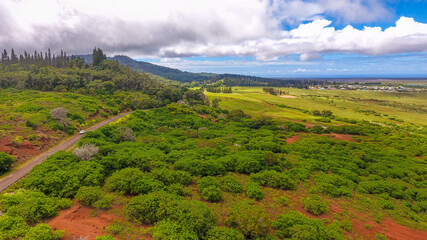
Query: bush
{"points": [[89, 195], [250, 219], [223, 233], [231, 184], [212, 194], [194, 216], [86, 152], [333, 185], [170, 230], [32, 205], [104, 202], [387, 205], [176, 188], [43, 231], [253, 190], [12, 227], [205, 182], [30, 124], [168, 176], [315, 204], [274, 179], [5, 161], [295, 225], [62, 175], [284, 201], [209, 188], [236, 115], [151, 207], [132, 181]]}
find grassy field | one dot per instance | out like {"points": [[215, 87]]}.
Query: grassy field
{"points": [[383, 107]]}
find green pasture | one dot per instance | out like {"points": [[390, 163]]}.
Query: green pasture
{"points": [[383, 107]]}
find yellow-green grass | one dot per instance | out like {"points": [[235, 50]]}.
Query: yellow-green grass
{"points": [[411, 107]]}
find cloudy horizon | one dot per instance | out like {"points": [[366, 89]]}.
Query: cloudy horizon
{"points": [[262, 37]]}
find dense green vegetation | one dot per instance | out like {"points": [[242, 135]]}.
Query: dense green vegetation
{"points": [[44, 98], [186, 176]]}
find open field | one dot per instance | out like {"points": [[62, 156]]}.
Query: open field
{"points": [[382, 107]]}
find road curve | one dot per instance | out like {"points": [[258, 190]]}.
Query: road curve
{"points": [[21, 172]]}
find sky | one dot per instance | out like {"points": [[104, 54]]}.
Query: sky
{"points": [[270, 38]]}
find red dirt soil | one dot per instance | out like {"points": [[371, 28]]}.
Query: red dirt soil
{"points": [[344, 137], [78, 221], [292, 139], [391, 229], [25, 151]]}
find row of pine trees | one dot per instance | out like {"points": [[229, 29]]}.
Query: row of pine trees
{"points": [[49, 59]]}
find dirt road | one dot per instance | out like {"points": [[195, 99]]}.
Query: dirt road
{"points": [[20, 173]]}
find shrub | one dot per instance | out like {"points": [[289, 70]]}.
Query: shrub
{"points": [[167, 229], [194, 216], [89, 195], [12, 227], [250, 219], [223, 233], [333, 185], [168, 176], [274, 179], [86, 152], [231, 184], [387, 205], [205, 182], [253, 190], [43, 231], [295, 225], [62, 175], [104, 202], [126, 134], [5, 161], [32, 205], [236, 115], [212, 194], [132, 181], [60, 115], [175, 189], [30, 124], [284, 201], [151, 207], [315, 205]]}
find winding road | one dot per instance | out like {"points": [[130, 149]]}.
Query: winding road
{"points": [[24, 170]]}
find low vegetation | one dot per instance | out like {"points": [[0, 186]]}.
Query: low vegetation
{"points": [[190, 176]]}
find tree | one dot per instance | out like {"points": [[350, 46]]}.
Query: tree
{"points": [[5, 161], [86, 152], [249, 219], [89, 195], [215, 102], [60, 114], [98, 56], [126, 134]]}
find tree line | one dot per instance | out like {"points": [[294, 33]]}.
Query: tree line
{"points": [[41, 59]]}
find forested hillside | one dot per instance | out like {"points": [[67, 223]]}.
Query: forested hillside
{"points": [[45, 97]]}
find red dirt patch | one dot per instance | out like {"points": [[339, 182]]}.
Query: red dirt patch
{"points": [[292, 139], [79, 221], [344, 137], [204, 117]]}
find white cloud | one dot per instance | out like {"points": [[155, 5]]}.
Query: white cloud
{"points": [[174, 29]]}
